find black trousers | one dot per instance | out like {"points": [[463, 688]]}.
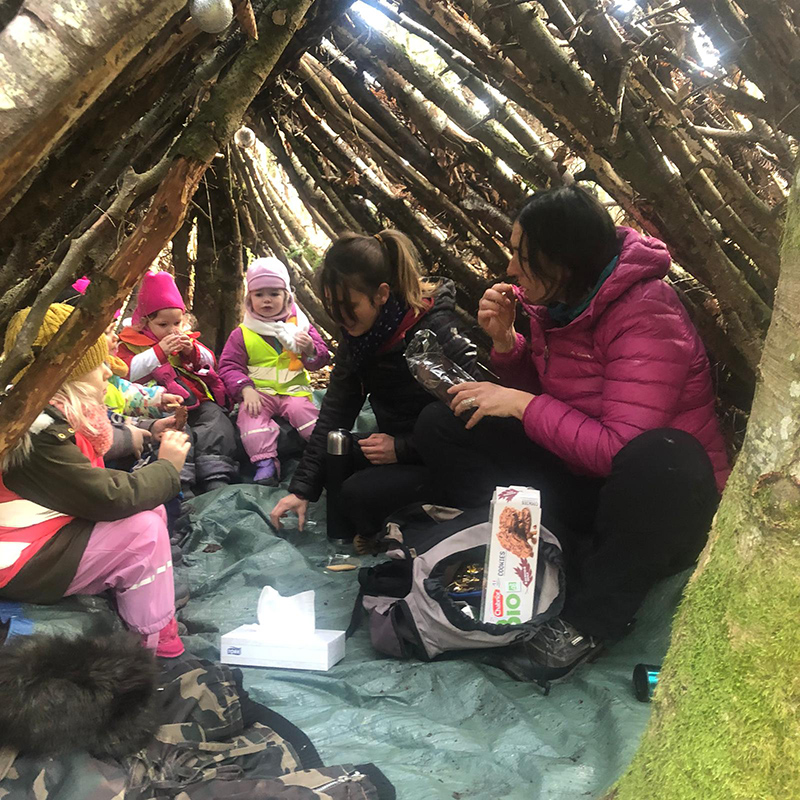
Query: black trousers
{"points": [[213, 444], [373, 492], [647, 520]]}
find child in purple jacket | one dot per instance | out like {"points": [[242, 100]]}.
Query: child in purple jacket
{"points": [[265, 364]]}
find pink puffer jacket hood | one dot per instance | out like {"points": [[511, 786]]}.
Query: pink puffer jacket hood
{"points": [[630, 363]]}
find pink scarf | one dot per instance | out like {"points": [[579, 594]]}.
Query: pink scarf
{"points": [[98, 433]]}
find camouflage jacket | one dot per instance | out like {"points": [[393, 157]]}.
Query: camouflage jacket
{"points": [[214, 743]]}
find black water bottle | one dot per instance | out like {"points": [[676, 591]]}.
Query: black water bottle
{"points": [[338, 468]]}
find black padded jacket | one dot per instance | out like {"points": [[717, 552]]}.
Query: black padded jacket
{"points": [[395, 396]]}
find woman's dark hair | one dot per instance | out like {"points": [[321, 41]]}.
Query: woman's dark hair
{"points": [[363, 263], [576, 234]]}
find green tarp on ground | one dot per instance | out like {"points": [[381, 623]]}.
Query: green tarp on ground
{"points": [[448, 730]]}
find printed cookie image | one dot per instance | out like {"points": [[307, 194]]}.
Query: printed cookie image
{"points": [[515, 531]]}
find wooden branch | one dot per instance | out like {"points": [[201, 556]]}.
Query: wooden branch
{"points": [[245, 17], [45, 100], [623, 83], [532, 166], [13, 268], [443, 48], [217, 120], [735, 136], [304, 285], [314, 198], [492, 255], [259, 191], [170, 109], [106, 292], [133, 185], [660, 12], [407, 219], [11, 300]]}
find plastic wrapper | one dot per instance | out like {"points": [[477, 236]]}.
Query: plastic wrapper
{"points": [[432, 368], [467, 580]]}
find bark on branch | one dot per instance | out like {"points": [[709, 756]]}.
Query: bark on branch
{"points": [[107, 226], [215, 123]]}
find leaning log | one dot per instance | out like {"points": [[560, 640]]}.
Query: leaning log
{"points": [[216, 122], [56, 58]]}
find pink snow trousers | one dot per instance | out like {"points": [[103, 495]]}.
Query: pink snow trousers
{"points": [[132, 557], [260, 433]]}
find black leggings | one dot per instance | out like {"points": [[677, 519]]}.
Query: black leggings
{"points": [[647, 520], [373, 492]]}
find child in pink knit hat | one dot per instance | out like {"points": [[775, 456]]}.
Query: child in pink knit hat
{"points": [[157, 349], [265, 364]]}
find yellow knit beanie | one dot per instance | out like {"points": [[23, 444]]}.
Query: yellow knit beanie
{"points": [[54, 318]]}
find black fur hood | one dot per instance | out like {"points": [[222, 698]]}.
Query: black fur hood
{"points": [[91, 693]]}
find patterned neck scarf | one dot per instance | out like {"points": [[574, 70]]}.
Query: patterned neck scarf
{"points": [[98, 431], [363, 347]]}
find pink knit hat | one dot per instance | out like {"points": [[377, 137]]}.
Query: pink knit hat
{"points": [[268, 273], [82, 284], [158, 291]]}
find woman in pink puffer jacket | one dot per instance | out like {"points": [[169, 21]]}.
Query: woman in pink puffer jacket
{"points": [[607, 408]]}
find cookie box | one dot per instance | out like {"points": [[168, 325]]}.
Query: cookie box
{"points": [[510, 571]]}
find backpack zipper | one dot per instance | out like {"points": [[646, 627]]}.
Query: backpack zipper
{"points": [[355, 775]]}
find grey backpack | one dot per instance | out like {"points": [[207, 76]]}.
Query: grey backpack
{"points": [[410, 608]]}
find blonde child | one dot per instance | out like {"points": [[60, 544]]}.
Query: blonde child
{"points": [[264, 365], [155, 348], [70, 526]]}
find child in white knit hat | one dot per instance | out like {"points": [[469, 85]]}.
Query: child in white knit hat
{"points": [[265, 364]]}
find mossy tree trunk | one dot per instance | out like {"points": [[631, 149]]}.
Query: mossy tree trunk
{"points": [[725, 724]]}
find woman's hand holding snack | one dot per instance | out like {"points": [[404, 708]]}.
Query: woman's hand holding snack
{"points": [[496, 312], [304, 343], [174, 448], [286, 504], [488, 400], [251, 400], [379, 449]]}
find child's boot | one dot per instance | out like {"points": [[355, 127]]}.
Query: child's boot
{"points": [[169, 642], [266, 472]]}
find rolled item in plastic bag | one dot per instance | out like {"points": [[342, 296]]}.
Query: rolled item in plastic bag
{"points": [[433, 369]]}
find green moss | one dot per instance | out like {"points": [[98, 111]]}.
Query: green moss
{"points": [[725, 719]]}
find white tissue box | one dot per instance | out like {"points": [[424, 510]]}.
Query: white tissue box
{"points": [[251, 646]]}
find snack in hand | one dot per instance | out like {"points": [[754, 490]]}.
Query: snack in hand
{"points": [[181, 417]]}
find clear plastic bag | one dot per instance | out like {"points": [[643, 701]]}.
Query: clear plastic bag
{"points": [[432, 368]]}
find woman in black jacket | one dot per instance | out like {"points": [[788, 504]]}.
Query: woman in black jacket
{"points": [[373, 289]]}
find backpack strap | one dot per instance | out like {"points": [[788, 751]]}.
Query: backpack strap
{"points": [[357, 617]]}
